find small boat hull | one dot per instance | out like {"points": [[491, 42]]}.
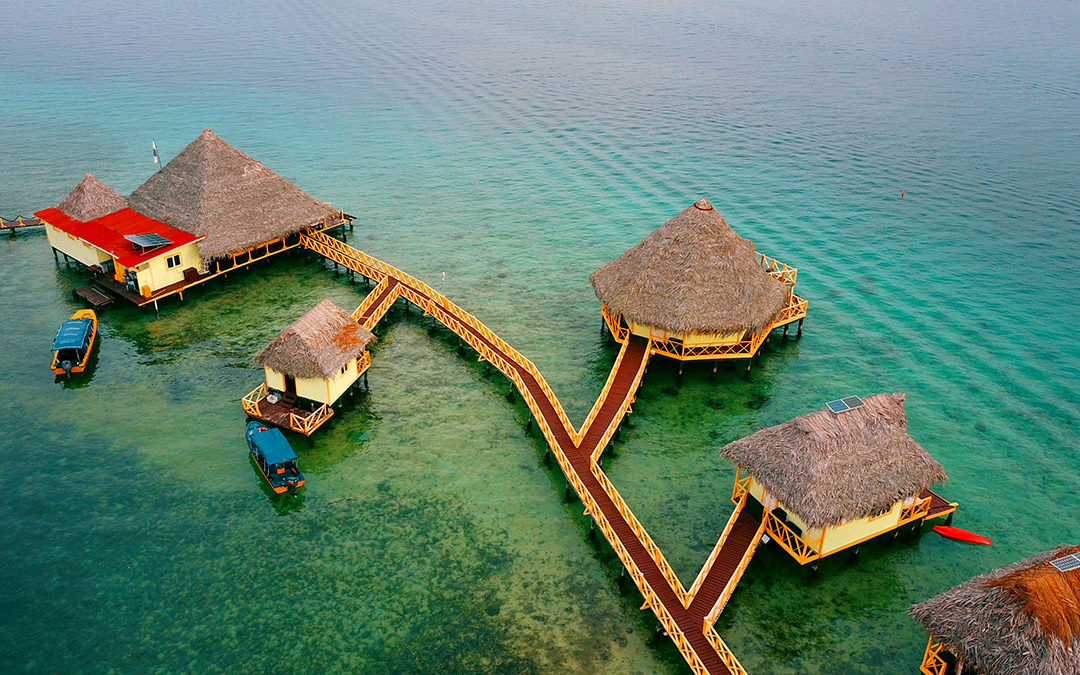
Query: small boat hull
{"points": [[74, 359], [961, 535]]}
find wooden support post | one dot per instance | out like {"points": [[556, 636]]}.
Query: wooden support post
{"points": [[55, 258], [786, 326], [592, 529], [528, 425], [366, 388], [948, 519], [798, 333], [749, 362], [350, 226], [547, 455], [568, 494], [155, 307], [510, 395], [854, 556], [678, 378], [712, 377]]}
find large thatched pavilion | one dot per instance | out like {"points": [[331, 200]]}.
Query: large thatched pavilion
{"points": [[1022, 619], [213, 190], [232, 209], [698, 290], [829, 480], [308, 367]]}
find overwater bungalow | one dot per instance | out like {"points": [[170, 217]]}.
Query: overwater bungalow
{"points": [[308, 367], [211, 209], [827, 481], [1020, 619], [698, 290]]}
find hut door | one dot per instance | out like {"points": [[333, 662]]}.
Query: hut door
{"points": [[290, 385]]}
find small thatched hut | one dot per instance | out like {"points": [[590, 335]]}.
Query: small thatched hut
{"points": [[697, 289], [91, 199], [1020, 619], [318, 357], [211, 189], [830, 480]]}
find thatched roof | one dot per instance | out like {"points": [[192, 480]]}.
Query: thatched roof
{"points": [[91, 199], [828, 467], [1023, 618], [317, 344], [693, 274], [213, 189]]}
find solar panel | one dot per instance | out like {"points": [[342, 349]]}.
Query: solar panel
{"points": [[1067, 564], [837, 406], [843, 404], [148, 240]]}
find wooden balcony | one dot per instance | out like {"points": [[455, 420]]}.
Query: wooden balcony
{"points": [[282, 414]]}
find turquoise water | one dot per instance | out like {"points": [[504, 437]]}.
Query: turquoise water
{"points": [[502, 153]]}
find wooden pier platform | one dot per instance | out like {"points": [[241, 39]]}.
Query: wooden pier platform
{"points": [[686, 616]]}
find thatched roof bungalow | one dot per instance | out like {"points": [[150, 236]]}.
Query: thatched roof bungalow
{"points": [[697, 288], [211, 189], [308, 366], [832, 480], [1020, 619], [136, 254]]}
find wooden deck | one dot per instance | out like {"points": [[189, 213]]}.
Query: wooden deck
{"points": [[939, 506], [97, 297], [688, 623]]}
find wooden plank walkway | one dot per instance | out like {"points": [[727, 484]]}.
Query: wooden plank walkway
{"points": [[688, 623], [17, 223]]}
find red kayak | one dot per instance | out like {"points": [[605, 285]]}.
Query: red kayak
{"points": [[961, 535]]}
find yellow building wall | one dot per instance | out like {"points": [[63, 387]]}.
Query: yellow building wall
{"points": [[75, 247], [155, 274], [316, 389], [646, 331], [836, 536]]}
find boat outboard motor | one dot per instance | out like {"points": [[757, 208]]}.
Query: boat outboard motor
{"points": [[66, 366], [291, 482]]}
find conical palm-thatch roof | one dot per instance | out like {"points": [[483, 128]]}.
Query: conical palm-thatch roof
{"points": [[318, 344], [693, 274], [212, 189], [828, 467], [1022, 618], [91, 199]]}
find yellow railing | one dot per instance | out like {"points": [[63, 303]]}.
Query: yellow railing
{"points": [[372, 296], [915, 510], [733, 581], [642, 535], [932, 663], [707, 567], [781, 271], [726, 655], [307, 424], [383, 307], [363, 363], [251, 401], [800, 549], [742, 487]]}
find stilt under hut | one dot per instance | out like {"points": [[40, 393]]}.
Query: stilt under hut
{"points": [[827, 481], [698, 290], [1022, 619], [308, 367]]}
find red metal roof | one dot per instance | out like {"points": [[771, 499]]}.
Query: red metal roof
{"points": [[107, 233]]}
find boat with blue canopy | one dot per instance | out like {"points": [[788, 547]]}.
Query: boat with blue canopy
{"points": [[274, 457], [73, 342]]}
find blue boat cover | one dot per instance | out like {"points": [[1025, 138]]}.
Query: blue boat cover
{"points": [[274, 446], [73, 334]]}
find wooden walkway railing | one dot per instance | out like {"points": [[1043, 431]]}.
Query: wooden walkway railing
{"points": [[576, 450], [18, 222]]}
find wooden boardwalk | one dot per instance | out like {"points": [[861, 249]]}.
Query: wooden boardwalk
{"points": [[18, 222], [687, 616]]}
